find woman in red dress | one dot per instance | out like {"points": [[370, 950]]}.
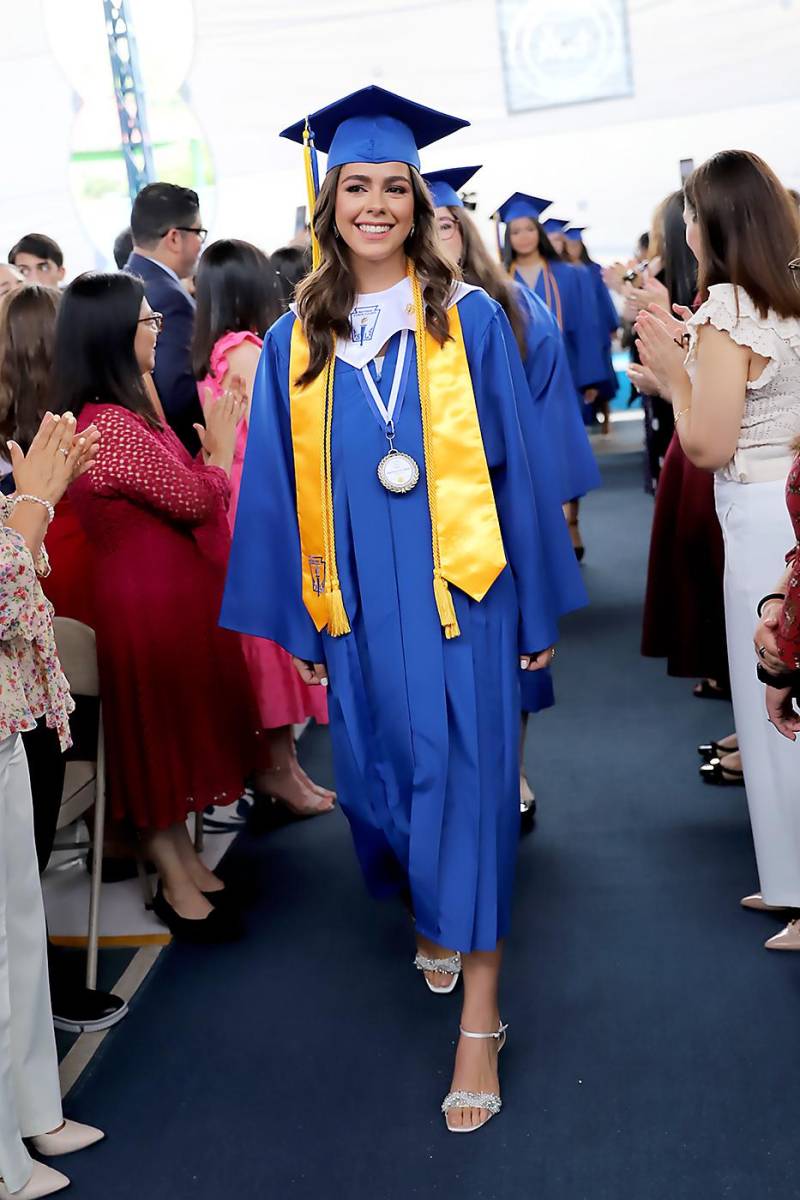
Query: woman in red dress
{"points": [[180, 719]]}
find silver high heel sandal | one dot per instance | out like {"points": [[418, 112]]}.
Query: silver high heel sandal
{"points": [[486, 1100], [443, 966]]}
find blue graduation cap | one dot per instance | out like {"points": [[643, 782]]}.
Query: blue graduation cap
{"points": [[373, 126], [575, 234], [445, 185], [520, 204], [554, 225]]}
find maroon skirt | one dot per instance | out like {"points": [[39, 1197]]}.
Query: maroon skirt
{"points": [[684, 613]]}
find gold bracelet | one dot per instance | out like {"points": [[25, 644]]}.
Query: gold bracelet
{"points": [[682, 413]]}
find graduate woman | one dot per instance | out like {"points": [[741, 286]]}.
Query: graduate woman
{"points": [[533, 260], [387, 536], [562, 462]]}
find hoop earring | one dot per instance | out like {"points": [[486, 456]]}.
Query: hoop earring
{"points": [[336, 233], [411, 230]]}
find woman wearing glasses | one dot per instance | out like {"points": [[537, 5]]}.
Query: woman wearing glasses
{"points": [[180, 717]]}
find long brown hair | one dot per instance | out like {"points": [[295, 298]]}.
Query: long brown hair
{"points": [[27, 336], [480, 269], [749, 230], [325, 298]]}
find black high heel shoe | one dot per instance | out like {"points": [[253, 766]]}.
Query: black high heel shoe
{"points": [[221, 925], [711, 750], [719, 776]]}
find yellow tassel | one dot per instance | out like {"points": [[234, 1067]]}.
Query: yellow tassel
{"points": [[338, 624], [445, 606], [311, 194]]}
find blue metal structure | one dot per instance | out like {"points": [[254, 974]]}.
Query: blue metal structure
{"points": [[137, 149]]}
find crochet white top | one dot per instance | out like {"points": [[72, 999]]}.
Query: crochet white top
{"points": [[771, 418]]}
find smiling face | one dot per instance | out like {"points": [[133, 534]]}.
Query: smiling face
{"points": [[374, 208], [523, 233], [144, 346]]}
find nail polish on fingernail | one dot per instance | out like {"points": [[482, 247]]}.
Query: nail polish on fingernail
{"points": [[524, 663], [324, 682]]}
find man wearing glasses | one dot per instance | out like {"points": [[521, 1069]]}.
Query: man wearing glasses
{"points": [[167, 239]]}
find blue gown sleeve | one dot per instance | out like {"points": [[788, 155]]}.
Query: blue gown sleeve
{"points": [[263, 591], [535, 536], [557, 408]]}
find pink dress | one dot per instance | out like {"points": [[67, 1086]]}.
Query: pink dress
{"points": [[283, 699]]}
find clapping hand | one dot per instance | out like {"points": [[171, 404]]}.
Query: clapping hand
{"points": [[222, 416], [660, 350], [56, 457]]}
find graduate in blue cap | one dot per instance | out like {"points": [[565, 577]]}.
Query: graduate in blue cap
{"points": [[533, 260], [575, 250], [387, 535], [562, 462]]}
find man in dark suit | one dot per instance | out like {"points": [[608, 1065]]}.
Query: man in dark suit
{"points": [[167, 239]]}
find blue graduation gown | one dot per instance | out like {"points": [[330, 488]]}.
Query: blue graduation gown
{"points": [[424, 730], [608, 323], [559, 450], [579, 322]]}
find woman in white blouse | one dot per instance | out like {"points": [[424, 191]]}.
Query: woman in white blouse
{"points": [[736, 396], [31, 686]]}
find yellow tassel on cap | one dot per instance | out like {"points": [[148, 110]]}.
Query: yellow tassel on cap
{"points": [[311, 193]]}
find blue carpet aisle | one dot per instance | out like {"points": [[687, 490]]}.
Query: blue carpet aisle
{"points": [[652, 1048]]}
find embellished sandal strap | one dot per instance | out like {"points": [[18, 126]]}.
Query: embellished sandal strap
{"points": [[445, 966], [489, 1101], [483, 1036]]}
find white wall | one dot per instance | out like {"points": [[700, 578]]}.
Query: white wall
{"points": [[708, 74]]}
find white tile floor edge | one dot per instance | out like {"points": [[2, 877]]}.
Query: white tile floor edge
{"points": [[80, 1054]]}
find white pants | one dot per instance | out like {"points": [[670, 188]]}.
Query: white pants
{"points": [[758, 534], [30, 1098]]}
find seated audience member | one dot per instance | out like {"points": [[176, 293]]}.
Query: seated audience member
{"points": [[39, 259], [167, 239], [181, 723], [27, 334], [32, 686], [236, 302], [123, 248]]}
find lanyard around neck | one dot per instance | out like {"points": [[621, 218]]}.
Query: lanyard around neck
{"points": [[387, 412]]}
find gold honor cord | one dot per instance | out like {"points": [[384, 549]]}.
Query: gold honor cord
{"points": [[466, 542], [441, 588], [552, 292]]}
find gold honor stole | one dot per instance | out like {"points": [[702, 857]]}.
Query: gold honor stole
{"points": [[467, 546]]}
